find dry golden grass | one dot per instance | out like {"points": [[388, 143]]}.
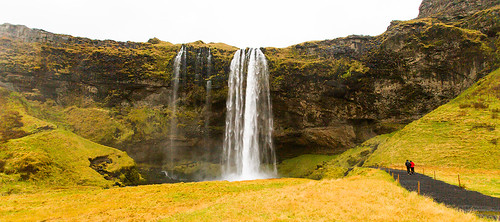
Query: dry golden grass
{"points": [[369, 196]]}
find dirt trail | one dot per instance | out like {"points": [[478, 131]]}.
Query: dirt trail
{"points": [[448, 194]]}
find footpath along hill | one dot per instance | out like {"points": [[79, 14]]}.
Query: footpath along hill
{"points": [[448, 194]]}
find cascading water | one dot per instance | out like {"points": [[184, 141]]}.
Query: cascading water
{"points": [[208, 111], [179, 59], [209, 64], [208, 102], [248, 151]]}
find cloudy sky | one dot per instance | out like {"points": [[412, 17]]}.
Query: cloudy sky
{"points": [[242, 23]]}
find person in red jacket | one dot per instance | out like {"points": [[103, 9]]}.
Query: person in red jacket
{"points": [[412, 166]]}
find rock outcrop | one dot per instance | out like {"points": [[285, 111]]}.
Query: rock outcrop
{"points": [[456, 9]]}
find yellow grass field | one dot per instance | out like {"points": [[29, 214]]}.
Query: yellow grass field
{"points": [[369, 195]]}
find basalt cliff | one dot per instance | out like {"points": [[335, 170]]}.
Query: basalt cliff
{"points": [[327, 96]]}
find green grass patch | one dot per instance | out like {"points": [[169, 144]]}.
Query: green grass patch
{"points": [[302, 166], [97, 125], [339, 166]]}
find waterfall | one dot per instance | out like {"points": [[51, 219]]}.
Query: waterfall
{"points": [[209, 64], [198, 67], [208, 102], [178, 62], [208, 108], [248, 151]]}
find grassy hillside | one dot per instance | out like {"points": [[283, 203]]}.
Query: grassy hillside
{"points": [[36, 154], [348, 199], [461, 137], [463, 133]]}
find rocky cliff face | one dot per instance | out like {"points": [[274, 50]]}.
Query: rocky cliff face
{"points": [[356, 87], [456, 9], [327, 95], [26, 34]]}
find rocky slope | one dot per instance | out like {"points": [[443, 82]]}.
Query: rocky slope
{"points": [[327, 95], [454, 9]]}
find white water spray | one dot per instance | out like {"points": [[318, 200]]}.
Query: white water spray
{"points": [[248, 151]]}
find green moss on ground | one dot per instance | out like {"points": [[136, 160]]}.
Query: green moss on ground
{"points": [[342, 164], [302, 166], [330, 167], [97, 125]]}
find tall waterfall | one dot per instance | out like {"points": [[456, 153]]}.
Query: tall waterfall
{"points": [[248, 151], [178, 62]]}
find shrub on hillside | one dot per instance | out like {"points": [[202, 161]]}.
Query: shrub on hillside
{"points": [[480, 105], [10, 126], [29, 164], [2, 165]]}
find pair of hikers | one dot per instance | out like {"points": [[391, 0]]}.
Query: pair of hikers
{"points": [[410, 167]]}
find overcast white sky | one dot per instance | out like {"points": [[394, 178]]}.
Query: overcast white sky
{"points": [[254, 23]]}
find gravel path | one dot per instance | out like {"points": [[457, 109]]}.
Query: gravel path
{"points": [[448, 194]]}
